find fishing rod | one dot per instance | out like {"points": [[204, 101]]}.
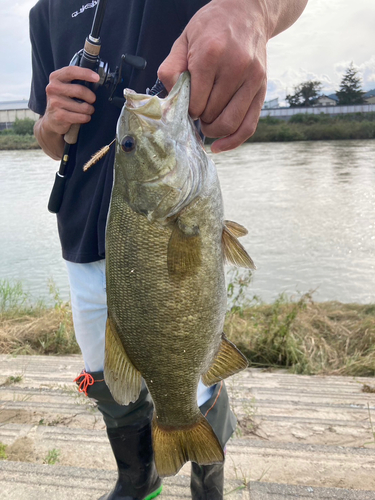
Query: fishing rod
{"points": [[88, 57]]}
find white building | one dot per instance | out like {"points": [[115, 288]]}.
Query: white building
{"points": [[325, 100], [10, 110], [286, 113], [369, 97]]}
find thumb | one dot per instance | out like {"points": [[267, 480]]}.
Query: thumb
{"points": [[175, 64]]}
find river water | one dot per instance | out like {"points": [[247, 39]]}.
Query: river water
{"points": [[309, 208]]}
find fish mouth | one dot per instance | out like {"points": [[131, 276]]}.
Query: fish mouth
{"points": [[144, 105], [155, 107]]}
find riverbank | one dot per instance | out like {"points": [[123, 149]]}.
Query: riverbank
{"points": [[300, 127], [17, 142], [306, 127], [304, 336]]}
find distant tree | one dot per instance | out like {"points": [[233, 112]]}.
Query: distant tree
{"points": [[23, 126], [304, 94], [350, 87]]}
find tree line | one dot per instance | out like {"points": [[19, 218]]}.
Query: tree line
{"points": [[306, 93]]}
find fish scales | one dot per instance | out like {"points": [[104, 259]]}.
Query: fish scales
{"points": [[165, 275], [158, 308]]}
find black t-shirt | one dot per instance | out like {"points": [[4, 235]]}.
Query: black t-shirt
{"points": [[58, 29]]}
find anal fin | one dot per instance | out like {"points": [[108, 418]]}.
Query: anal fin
{"points": [[123, 379], [234, 252], [228, 361]]}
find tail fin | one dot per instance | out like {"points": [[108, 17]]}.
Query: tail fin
{"points": [[174, 447]]}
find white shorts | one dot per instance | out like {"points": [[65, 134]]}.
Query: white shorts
{"points": [[89, 308]]}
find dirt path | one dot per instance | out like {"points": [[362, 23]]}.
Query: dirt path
{"points": [[312, 432]]}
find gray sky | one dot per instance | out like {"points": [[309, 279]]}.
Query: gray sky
{"points": [[320, 46]]}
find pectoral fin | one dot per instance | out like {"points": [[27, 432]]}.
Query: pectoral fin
{"points": [[236, 229], [184, 250], [228, 361], [234, 252], [123, 379]]}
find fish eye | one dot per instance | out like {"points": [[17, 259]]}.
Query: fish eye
{"points": [[128, 144]]}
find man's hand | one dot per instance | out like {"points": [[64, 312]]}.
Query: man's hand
{"points": [[224, 48], [62, 109]]}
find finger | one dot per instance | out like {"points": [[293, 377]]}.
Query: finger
{"points": [[70, 73], [247, 127], [77, 117], [60, 120], [74, 106], [72, 90], [202, 82], [69, 118], [240, 80], [63, 112], [175, 64], [77, 91], [233, 114], [221, 94]]}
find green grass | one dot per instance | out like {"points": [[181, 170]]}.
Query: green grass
{"points": [[307, 127], [307, 337], [14, 301], [299, 334], [13, 141], [53, 456], [27, 328], [20, 136], [300, 127], [13, 380], [3, 455]]}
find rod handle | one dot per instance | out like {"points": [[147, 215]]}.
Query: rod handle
{"points": [[71, 136], [57, 194]]}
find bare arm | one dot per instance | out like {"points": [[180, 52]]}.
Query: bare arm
{"points": [[224, 48], [62, 110], [282, 14]]}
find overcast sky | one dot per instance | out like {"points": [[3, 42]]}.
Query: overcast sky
{"points": [[319, 46]]}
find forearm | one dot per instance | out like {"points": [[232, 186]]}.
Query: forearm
{"points": [[271, 16], [281, 14], [51, 142]]}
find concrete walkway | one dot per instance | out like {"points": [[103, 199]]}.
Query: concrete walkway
{"points": [[298, 436]]}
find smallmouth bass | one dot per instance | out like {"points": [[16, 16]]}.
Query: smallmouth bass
{"points": [[166, 245]]}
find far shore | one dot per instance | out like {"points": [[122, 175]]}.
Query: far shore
{"points": [[301, 127]]}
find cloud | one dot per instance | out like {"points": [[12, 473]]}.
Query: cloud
{"points": [[21, 8], [367, 69], [280, 87], [319, 46], [15, 59]]}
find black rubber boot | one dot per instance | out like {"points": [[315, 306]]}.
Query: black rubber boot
{"points": [[137, 476], [207, 481], [129, 433]]}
